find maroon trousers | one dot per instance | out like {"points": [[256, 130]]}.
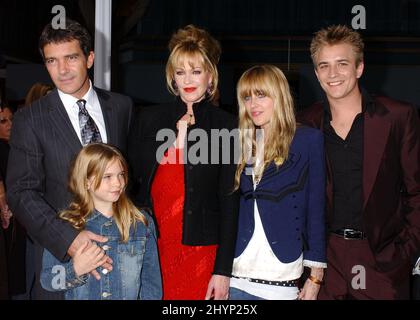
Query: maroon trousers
{"points": [[352, 273]]}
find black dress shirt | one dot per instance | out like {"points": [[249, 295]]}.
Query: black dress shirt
{"points": [[346, 160]]}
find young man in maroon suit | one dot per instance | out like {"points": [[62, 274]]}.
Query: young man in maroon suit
{"points": [[373, 176]]}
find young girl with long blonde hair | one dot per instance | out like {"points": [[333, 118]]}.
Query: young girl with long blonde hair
{"points": [[98, 179]]}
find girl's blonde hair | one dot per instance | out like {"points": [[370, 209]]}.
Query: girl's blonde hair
{"points": [[271, 82], [187, 44], [90, 165]]}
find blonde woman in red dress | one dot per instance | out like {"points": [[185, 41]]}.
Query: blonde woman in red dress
{"points": [[192, 201]]}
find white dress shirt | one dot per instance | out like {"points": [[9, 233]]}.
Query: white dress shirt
{"points": [[92, 106]]}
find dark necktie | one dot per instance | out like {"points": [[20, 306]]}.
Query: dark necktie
{"points": [[88, 128]]}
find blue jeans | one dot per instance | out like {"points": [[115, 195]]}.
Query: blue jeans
{"points": [[236, 294]]}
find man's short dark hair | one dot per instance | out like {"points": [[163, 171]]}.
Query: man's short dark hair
{"points": [[73, 31]]}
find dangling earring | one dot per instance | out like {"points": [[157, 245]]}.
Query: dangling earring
{"points": [[210, 88], [174, 86]]}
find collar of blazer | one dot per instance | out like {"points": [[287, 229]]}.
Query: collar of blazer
{"points": [[376, 129], [375, 137], [199, 109], [59, 117], [60, 120], [111, 122]]}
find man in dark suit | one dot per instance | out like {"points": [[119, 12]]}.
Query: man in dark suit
{"points": [[49, 133], [373, 177]]}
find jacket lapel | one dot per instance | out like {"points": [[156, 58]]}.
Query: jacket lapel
{"points": [[108, 114], [329, 184], [376, 132], [319, 123], [61, 121]]}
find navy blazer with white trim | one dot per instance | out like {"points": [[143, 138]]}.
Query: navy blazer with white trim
{"points": [[290, 200]]}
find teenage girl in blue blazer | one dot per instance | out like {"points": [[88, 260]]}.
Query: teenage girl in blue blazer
{"points": [[281, 178]]}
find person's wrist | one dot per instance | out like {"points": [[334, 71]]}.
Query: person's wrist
{"points": [[315, 280], [77, 272]]}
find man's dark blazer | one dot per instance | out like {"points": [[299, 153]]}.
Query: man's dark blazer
{"points": [[391, 180], [43, 144]]}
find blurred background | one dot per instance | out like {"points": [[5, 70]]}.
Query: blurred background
{"points": [[250, 31]]}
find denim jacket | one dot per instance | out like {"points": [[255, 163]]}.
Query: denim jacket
{"points": [[135, 274]]}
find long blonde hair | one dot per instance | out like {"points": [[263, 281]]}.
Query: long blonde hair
{"points": [[270, 81], [91, 162]]}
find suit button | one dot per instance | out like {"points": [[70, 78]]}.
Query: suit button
{"points": [[297, 218], [191, 189], [294, 196], [297, 229], [190, 167], [295, 207], [189, 212], [298, 238]]}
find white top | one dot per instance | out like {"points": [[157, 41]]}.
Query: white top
{"points": [[92, 106], [258, 261]]}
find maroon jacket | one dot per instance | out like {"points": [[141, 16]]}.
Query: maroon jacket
{"points": [[391, 180]]}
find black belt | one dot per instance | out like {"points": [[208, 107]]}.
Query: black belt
{"points": [[288, 283], [350, 234]]}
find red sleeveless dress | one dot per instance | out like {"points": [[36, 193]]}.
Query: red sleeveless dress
{"points": [[186, 270]]}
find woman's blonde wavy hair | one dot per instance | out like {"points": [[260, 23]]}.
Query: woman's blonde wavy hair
{"points": [[91, 163], [271, 82], [187, 44]]}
